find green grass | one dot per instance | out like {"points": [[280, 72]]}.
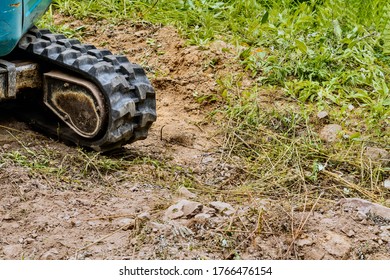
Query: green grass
{"points": [[330, 55], [334, 53]]}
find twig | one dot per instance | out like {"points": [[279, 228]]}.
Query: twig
{"points": [[301, 226], [151, 8], [110, 217], [161, 132], [21, 143], [102, 238], [350, 184]]}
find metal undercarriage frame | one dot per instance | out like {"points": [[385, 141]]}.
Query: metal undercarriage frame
{"points": [[76, 101]]}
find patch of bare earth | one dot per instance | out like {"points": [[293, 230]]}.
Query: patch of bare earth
{"points": [[140, 211]]}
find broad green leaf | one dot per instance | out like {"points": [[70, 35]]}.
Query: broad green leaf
{"points": [[265, 17], [301, 46]]}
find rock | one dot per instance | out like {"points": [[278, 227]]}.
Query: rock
{"points": [[386, 184], [315, 254], [183, 191], [157, 227], [126, 223], [202, 217], [385, 233], [12, 251], [337, 245], [322, 114], [7, 217], [208, 210], [145, 216], [183, 209], [50, 255], [304, 242], [348, 232], [207, 160], [141, 33], [365, 207], [329, 133], [377, 154], [223, 208], [361, 215], [29, 240]]}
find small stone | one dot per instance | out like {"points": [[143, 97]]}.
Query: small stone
{"points": [[361, 215], [141, 33], [364, 207], [315, 254], [7, 217], [386, 184], [330, 132], [50, 255], [183, 191], [208, 210], [202, 217], [14, 225], [337, 245], [322, 114], [207, 160], [385, 228], [183, 209], [304, 242], [29, 240], [377, 154], [12, 251], [126, 223], [145, 216], [156, 227], [173, 212], [223, 208], [348, 232]]}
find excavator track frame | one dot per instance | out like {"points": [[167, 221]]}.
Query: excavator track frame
{"points": [[129, 98]]}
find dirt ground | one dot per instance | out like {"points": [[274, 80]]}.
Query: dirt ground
{"points": [[56, 204]]}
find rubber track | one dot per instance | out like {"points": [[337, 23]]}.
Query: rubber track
{"points": [[130, 98]]}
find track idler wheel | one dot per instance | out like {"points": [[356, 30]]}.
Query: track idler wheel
{"points": [[78, 102]]}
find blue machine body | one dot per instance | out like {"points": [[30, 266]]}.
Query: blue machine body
{"points": [[16, 18]]}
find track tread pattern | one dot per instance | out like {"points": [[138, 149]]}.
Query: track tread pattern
{"points": [[130, 98]]}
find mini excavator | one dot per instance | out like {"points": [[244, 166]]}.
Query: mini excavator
{"points": [[70, 90]]}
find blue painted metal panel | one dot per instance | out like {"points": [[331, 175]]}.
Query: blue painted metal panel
{"points": [[33, 10], [11, 18], [16, 17]]}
